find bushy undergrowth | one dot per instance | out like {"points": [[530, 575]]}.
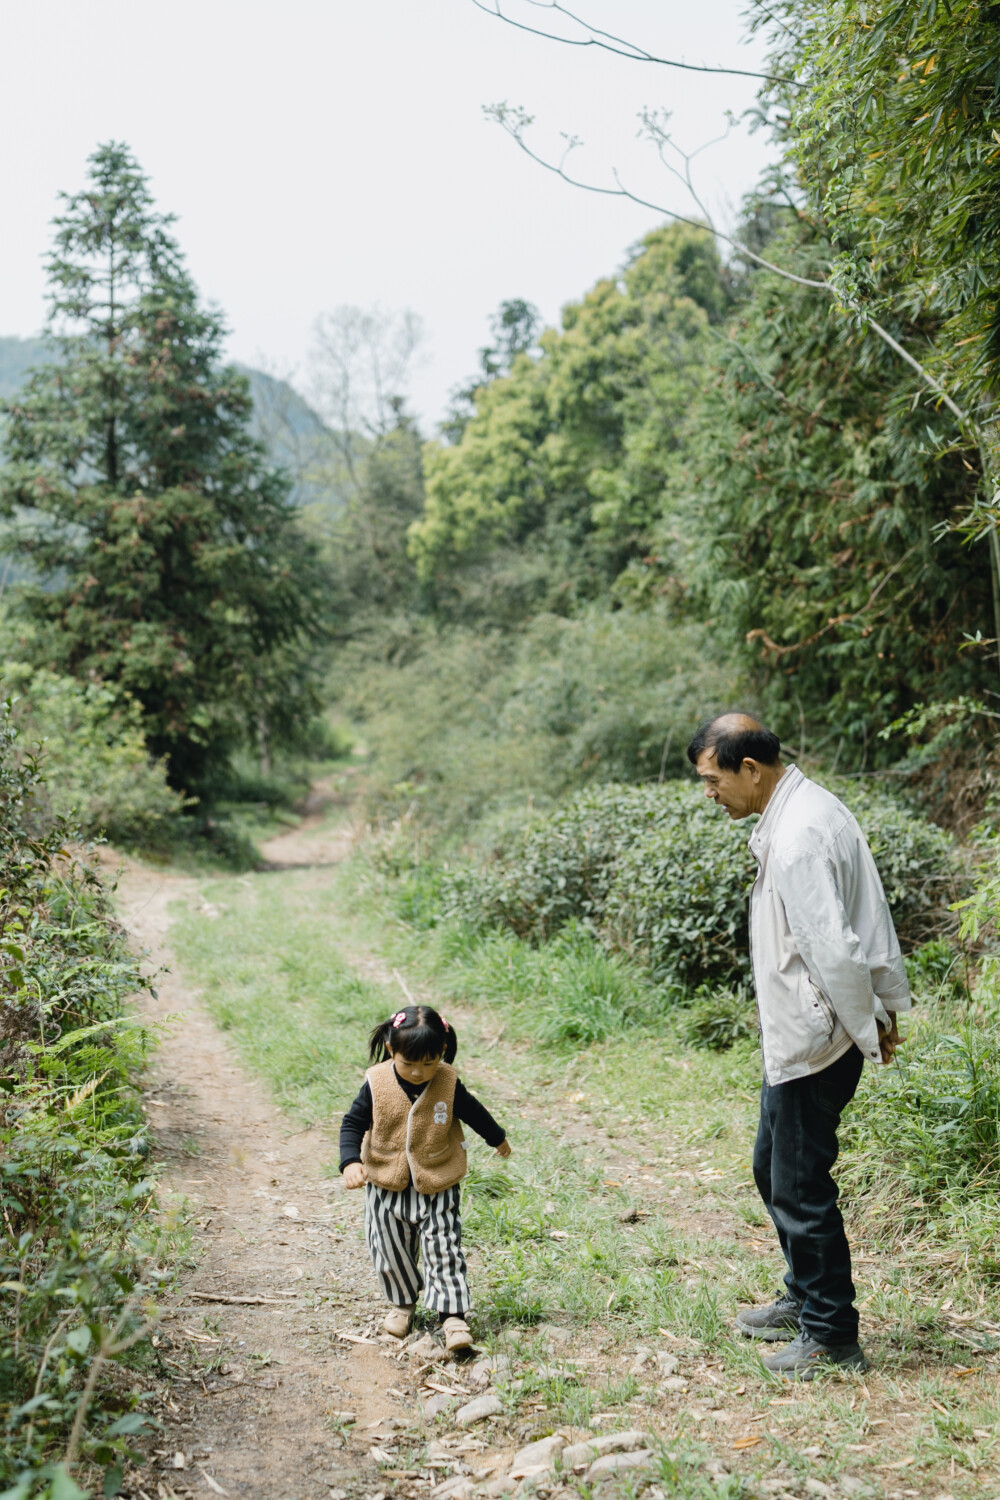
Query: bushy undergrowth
{"points": [[718, 1018], [76, 1249], [104, 779], [922, 1139], [935, 1114], [465, 725], [662, 876]]}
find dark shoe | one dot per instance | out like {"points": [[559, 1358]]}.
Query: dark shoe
{"points": [[806, 1357], [779, 1320]]}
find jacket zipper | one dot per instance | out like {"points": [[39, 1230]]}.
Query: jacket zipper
{"points": [[753, 971]]}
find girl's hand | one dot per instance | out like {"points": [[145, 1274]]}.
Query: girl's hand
{"points": [[502, 1150], [355, 1175]]}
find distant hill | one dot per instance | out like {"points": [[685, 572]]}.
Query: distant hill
{"points": [[295, 437], [17, 357]]}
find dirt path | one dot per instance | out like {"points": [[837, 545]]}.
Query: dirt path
{"points": [[291, 1395], [268, 1400], [275, 1381], [314, 841]]}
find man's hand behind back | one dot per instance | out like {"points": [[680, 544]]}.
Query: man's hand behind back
{"points": [[890, 1039]]}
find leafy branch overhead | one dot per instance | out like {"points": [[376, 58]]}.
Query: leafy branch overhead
{"points": [[888, 116]]}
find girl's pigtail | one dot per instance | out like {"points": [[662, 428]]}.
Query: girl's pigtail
{"points": [[378, 1042], [450, 1042]]}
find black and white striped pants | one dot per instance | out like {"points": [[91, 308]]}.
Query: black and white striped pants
{"points": [[397, 1225]]}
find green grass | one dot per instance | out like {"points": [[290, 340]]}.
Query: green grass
{"points": [[297, 967], [299, 1014]]}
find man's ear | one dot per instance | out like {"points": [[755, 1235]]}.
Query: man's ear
{"points": [[754, 769]]}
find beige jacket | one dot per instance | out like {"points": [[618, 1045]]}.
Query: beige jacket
{"points": [[826, 960], [421, 1141]]}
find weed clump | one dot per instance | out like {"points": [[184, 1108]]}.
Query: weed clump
{"points": [[718, 1018], [76, 1250]]}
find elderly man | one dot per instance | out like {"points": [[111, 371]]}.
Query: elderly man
{"points": [[829, 980]]}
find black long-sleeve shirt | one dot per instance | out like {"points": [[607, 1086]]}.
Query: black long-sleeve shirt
{"points": [[358, 1119]]}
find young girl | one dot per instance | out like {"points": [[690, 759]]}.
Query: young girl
{"points": [[402, 1138]]}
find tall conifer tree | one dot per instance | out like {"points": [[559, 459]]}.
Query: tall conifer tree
{"points": [[167, 557]]}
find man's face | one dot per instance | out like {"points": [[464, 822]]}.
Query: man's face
{"points": [[736, 791]]}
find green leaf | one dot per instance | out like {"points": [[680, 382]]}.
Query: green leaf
{"points": [[79, 1340], [33, 1404], [63, 1487], [130, 1423]]}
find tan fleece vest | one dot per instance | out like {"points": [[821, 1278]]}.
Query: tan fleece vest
{"points": [[422, 1141]]}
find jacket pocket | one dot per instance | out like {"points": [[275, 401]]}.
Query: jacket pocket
{"points": [[822, 1005], [438, 1150]]}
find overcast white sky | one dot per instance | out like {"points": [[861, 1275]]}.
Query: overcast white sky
{"points": [[320, 152]]}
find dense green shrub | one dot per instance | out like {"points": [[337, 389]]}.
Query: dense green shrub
{"points": [[718, 1018], [661, 875], [100, 773], [76, 1245], [561, 868], [678, 900]]}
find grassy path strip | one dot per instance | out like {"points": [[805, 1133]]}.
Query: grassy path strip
{"points": [[246, 1356], [295, 964]]}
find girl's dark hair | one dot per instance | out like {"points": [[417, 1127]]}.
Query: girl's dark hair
{"points": [[417, 1032]]}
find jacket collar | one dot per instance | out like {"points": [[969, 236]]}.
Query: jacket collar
{"points": [[759, 841]]}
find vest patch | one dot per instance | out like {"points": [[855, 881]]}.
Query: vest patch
{"points": [[440, 1113]]}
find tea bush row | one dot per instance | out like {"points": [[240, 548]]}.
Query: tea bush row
{"points": [[661, 875]]}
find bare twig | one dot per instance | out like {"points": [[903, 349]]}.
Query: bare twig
{"points": [[606, 41], [397, 976], [110, 1346], [243, 1301], [43, 1365], [515, 121]]}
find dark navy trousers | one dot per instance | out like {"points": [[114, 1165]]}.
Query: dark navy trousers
{"points": [[795, 1150]]}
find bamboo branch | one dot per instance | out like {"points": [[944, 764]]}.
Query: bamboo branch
{"points": [[515, 121], [761, 635]]}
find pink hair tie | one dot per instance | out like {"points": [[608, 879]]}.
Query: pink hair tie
{"points": [[398, 1019], [444, 1023]]}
